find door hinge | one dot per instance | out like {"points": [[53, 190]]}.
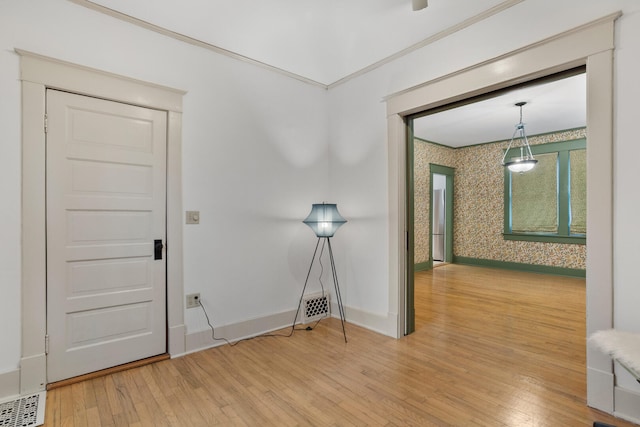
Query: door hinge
{"points": [[46, 344], [46, 124]]}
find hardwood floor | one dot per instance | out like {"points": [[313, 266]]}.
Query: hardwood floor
{"points": [[492, 348]]}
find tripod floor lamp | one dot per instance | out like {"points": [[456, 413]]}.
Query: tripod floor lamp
{"points": [[324, 220]]}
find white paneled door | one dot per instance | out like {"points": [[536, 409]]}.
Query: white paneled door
{"points": [[106, 215]]}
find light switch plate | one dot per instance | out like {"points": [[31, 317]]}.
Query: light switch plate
{"points": [[193, 217]]}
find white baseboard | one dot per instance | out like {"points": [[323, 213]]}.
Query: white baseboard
{"points": [[177, 340], [201, 340], [9, 384], [381, 324], [627, 405], [33, 374], [600, 389]]}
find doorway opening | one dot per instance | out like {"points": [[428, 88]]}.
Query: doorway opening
{"points": [[441, 226], [593, 46], [438, 217], [470, 137]]}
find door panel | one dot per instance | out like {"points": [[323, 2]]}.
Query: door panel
{"points": [[106, 193]]}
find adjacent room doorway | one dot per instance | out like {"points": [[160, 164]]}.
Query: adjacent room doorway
{"points": [[441, 217], [592, 45]]}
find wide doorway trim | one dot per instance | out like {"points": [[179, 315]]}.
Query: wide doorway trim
{"points": [[38, 73], [592, 45]]}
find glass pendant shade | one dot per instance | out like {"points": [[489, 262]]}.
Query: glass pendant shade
{"points": [[324, 219], [525, 162], [521, 164]]}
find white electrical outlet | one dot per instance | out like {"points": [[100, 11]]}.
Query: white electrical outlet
{"points": [[193, 300]]}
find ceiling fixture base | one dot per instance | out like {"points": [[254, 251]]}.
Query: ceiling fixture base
{"points": [[419, 4]]}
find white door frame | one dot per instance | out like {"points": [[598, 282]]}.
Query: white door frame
{"points": [[592, 45], [37, 74]]}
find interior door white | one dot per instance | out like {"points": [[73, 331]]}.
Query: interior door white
{"points": [[106, 195]]}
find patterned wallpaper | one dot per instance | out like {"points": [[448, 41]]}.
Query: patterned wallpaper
{"points": [[478, 205]]}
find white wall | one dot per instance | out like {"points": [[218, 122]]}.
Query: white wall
{"points": [[358, 138], [255, 157]]}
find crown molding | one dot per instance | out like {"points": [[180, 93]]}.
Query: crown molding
{"points": [[190, 40], [217, 49], [429, 40]]}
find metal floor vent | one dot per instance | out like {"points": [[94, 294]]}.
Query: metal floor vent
{"points": [[315, 307], [25, 411]]}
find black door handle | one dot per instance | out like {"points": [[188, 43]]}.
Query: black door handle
{"points": [[157, 249]]}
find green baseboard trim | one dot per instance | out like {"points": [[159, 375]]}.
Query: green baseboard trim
{"points": [[422, 266], [517, 266]]}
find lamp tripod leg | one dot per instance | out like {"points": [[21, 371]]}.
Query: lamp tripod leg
{"points": [[306, 281], [337, 287]]}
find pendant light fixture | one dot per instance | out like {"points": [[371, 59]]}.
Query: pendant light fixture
{"points": [[525, 162]]}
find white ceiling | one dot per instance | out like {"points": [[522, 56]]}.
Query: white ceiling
{"points": [[325, 41], [321, 40], [558, 105]]}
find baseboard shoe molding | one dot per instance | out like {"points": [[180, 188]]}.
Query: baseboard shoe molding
{"points": [[202, 340], [517, 266], [33, 374], [627, 405], [385, 325], [600, 389], [9, 384]]}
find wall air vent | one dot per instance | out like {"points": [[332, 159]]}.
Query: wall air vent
{"points": [[315, 307]]}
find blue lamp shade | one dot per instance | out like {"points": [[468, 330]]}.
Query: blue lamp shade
{"points": [[324, 219]]}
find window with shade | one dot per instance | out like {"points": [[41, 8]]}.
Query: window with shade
{"points": [[549, 202]]}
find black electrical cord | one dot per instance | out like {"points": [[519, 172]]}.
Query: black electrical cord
{"points": [[293, 326], [321, 269], [213, 331]]}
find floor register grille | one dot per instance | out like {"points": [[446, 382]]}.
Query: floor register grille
{"points": [[315, 307], [25, 411]]}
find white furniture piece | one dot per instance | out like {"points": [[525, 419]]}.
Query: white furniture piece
{"points": [[623, 347]]}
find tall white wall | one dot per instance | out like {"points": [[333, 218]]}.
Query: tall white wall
{"points": [[358, 139], [255, 157]]}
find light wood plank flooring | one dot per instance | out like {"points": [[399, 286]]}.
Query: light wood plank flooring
{"points": [[492, 348]]}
